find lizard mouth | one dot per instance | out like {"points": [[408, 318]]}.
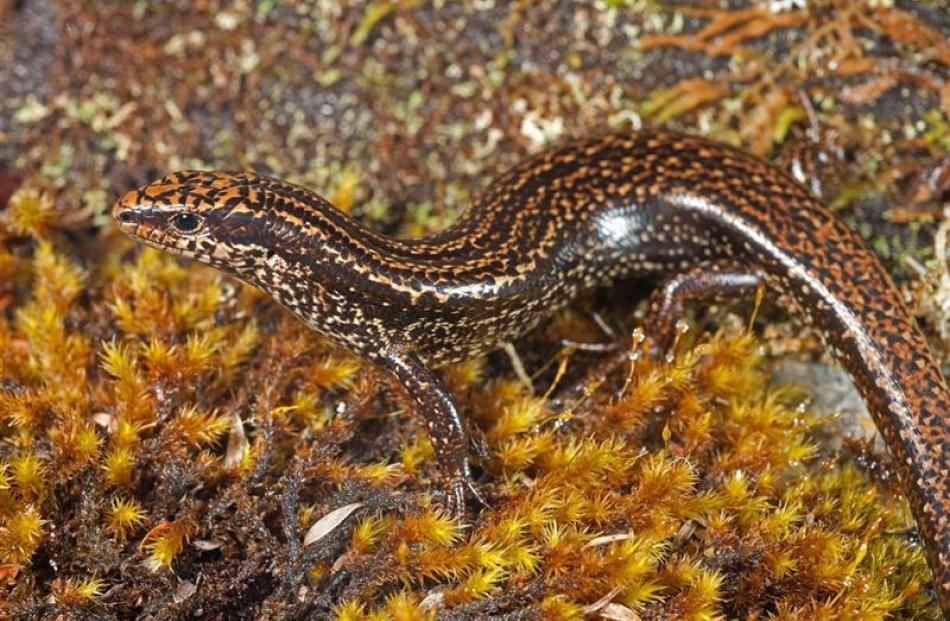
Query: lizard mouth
{"points": [[127, 213], [140, 221]]}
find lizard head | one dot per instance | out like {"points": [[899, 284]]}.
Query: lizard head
{"points": [[239, 223], [279, 237]]}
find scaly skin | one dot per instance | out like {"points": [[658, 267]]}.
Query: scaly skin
{"points": [[711, 218]]}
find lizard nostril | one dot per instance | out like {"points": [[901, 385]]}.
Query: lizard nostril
{"points": [[124, 217]]}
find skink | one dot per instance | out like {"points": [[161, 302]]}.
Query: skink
{"points": [[713, 220]]}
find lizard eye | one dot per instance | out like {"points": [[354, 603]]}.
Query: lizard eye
{"points": [[187, 222]]}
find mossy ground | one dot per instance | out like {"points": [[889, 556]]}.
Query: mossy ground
{"points": [[169, 437]]}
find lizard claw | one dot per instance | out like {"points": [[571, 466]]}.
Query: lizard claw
{"points": [[479, 444], [457, 492]]}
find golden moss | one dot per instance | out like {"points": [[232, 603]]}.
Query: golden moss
{"points": [[164, 542], [71, 592], [685, 487], [167, 437], [20, 534], [123, 516], [30, 212]]}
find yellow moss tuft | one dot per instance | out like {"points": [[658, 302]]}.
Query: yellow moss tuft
{"points": [[430, 526], [164, 542], [124, 516], [73, 445], [368, 533], [332, 372], [344, 197], [479, 584], [380, 472], [464, 375], [20, 535], [118, 361], [199, 353], [54, 351], [405, 606], [237, 350], [350, 610], [29, 212], [518, 417], [28, 474], [560, 608], [58, 280], [70, 592], [415, 453], [118, 465], [197, 428]]}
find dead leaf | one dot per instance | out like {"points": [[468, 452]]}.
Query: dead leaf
{"points": [[605, 539], [185, 589], [602, 602], [107, 421], [237, 443], [432, 601], [329, 522], [618, 612]]}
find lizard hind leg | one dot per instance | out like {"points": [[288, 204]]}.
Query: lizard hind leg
{"points": [[720, 282], [710, 282]]}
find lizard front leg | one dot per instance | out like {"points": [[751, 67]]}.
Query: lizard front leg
{"points": [[444, 423]]}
